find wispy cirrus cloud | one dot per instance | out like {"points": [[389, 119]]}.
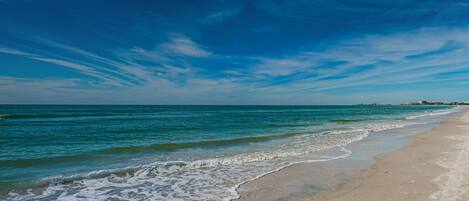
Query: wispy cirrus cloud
{"points": [[284, 66], [124, 69], [183, 46], [104, 75]]}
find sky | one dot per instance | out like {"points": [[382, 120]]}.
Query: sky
{"points": [[233, 52]]}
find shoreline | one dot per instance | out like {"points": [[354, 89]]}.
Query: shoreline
{"points": [[411, 171]]}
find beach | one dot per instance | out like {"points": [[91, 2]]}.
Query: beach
{"points": [[431, 167]]}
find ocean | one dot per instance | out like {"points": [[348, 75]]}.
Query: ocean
{"points": [[63, 152]]}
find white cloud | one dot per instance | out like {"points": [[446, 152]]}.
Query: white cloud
{"points": [[184, 46], [103, 75], [14, 52], [79, 67], [283, 66]]}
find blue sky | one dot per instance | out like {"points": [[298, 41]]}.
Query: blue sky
{"points": [[233, 52]]}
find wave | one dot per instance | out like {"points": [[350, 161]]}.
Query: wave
{"points": [[58, 115], [31, 162], [282, 125], [434, 113], [149, 179], [167, 147], [172, 168], [29, 116], [203, 144], [171, 147], [164, 180], [348, 121], [303, 144]]}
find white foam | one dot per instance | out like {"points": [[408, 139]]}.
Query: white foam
{"points": [[435, 113], [454, 183], [234, 190], [209, 179]]}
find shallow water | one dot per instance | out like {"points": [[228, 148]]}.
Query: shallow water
{"points": [[175, 152]]}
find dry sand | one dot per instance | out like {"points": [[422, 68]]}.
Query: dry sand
{"points": [[434, 167]]}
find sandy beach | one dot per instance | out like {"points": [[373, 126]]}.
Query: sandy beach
{"points": [[432, 167]]}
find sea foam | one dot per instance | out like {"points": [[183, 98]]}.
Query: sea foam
{"points": [[435, 113]]}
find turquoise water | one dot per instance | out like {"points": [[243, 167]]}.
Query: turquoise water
{"points": [[173, 152]]}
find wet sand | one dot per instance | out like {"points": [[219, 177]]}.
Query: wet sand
{"points": [[433, 167]]}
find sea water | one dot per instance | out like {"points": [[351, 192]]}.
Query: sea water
{"points": [[175, 152]]}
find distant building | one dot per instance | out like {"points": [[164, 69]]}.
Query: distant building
{"points": [[423, 102]]}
